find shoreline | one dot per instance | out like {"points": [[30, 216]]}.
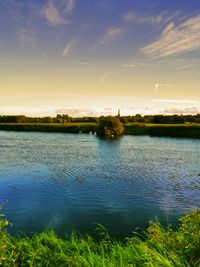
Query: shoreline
{"points": [[160, 130]]}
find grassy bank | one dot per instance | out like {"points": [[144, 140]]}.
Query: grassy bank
{"points": [[162, 247], [49, 127], [165, 130]]}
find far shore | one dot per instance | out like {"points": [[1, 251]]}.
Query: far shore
{"points": [[190, 130]]}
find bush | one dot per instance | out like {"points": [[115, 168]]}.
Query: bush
{"points": [[109, 127]]}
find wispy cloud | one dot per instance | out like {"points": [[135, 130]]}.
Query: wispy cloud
{"points": [[131, 16], [139, 64], [68, 48], [26, 36], [177, 101], [82, 112], [70, 6], [83, 63], [110, 35], [176, 39], [53, 15], [182, 110], [161, 19], [23, 25], [113, 33], [158, 85], [182, 67]]}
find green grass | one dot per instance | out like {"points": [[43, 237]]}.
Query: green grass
{"points": [[162, 247]]}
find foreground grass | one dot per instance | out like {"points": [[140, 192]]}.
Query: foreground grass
{"points": [[162, 247]]}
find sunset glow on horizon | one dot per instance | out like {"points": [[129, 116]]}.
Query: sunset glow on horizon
{"points": [[91, 58]]}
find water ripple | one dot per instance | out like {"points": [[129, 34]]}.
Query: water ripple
{"points": [[69, 182]]}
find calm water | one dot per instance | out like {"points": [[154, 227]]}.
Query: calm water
{"points": [[70, 182]]}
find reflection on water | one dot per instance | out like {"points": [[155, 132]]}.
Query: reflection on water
{"points": [[70, 182]]}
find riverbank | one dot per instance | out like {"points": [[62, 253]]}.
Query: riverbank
{"points": [[162, 247], [165, 130]]}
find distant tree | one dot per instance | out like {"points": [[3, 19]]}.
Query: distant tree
{"points": [[109, 127]]}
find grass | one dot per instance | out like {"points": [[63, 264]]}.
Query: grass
{"points": [[50, 127], [162, 247], [186, 130]]}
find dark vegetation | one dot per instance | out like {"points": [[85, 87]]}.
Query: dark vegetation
{"points": [[167, 130], [160, 247], [64, 118], [158, 125], [50, 127], [109, 127]]}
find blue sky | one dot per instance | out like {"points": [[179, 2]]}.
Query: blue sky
{"points": [[93, 57]]}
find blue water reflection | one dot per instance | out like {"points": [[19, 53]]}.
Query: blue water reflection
{"points": [[70, 182]]}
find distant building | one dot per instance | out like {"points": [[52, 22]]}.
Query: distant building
{"points": [[118, 115]]}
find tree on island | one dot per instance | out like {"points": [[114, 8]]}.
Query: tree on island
{"points": [[109, 127]]}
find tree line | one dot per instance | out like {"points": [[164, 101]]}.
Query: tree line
{"points": [[64, 118]]}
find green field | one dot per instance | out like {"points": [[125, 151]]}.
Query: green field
{"points": [[158, 247], [186, 130]]}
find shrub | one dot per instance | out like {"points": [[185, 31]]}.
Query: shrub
{"points": [[109, 127]]}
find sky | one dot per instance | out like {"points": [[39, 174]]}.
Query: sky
{"points": [[91, 58]]}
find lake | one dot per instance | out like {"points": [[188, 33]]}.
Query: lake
{"points": [[72, 182]]}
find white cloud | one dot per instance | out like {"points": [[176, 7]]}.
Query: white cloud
{"points": [[86, 112], [53, 15], [25, 110], [182, 110], [176, 39], [67, 49]]}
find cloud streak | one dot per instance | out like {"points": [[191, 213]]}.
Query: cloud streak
{"points": [[158, 85], [132, 17], [184, 110], [113, 33], [110, 35], [176, 39], [53, 15], [67, 49], [23, 25], [178, 101], [70, 6], [139, 64]]}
